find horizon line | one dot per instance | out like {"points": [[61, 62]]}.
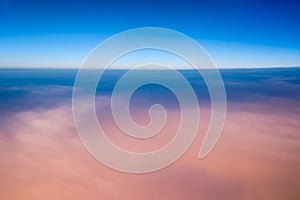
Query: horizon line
{"points": [[181, 69]]}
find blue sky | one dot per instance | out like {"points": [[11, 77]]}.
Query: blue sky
{"points": [[235, 33]]}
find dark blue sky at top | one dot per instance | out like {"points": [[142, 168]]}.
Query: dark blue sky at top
{"points": [[268, 23]]}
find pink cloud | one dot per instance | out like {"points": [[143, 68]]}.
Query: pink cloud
{"points": [[257, 157]]}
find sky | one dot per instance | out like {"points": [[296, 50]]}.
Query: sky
{"points": [[60, 34]]}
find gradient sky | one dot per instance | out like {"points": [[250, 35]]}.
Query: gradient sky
{"points": [[60, 33]]}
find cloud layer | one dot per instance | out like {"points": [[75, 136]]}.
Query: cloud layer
{"points": [[257, 156]]}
